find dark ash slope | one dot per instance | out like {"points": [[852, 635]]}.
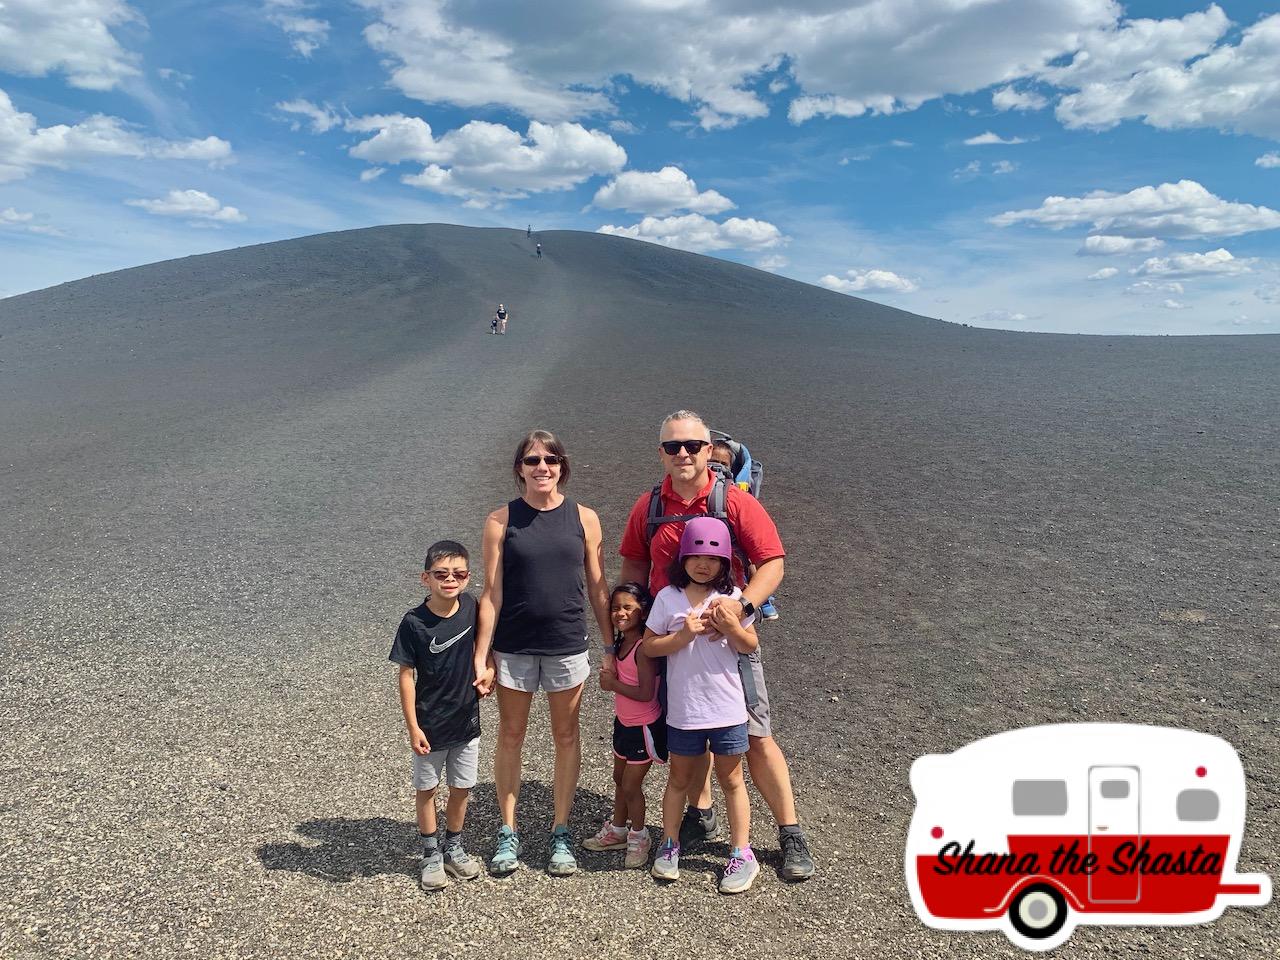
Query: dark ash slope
{"points": [[219, 474]]}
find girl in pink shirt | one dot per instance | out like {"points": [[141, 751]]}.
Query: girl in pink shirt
{"points": [[706, 707], [639, 729]]}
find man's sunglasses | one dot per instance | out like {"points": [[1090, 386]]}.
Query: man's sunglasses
{"points": [[551, 460], [672, 447], [443, 575]]}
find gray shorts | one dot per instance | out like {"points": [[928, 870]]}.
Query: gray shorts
{"points": [[758, 724], [458, 764], [527, 672]]}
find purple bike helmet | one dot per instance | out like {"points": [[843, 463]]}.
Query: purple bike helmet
{"points": [[706, 537]]}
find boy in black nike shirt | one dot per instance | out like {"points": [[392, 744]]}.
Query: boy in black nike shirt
{"points": [[442, 709]]}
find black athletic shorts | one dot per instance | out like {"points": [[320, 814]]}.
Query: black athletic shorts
{"points": [[646, 744]]}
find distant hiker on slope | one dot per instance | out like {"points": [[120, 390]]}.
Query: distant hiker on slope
{"points": [[539, 248], [685, 450], [528, 231], [543, 565], [499, 322]]}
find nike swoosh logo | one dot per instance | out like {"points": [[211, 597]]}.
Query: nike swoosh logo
{"points": [[436, 647]]}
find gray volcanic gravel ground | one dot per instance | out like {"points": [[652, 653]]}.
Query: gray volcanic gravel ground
{"points": [[219, 475]]}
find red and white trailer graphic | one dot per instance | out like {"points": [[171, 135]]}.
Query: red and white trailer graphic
{"points": [[1035, 830]]}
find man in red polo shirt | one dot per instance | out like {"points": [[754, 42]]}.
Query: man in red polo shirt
{"points": [[685, 449]]}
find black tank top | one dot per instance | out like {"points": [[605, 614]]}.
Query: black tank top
{"points": [[543, 582]]}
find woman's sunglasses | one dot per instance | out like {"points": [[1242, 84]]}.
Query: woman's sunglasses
{"points": [[550, 459], [672, 447], [443, 575]]}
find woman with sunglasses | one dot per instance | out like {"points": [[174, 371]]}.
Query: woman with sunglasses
{"points": [[543, 561]]}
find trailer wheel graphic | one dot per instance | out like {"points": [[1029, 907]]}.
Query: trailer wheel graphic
{"points": [[1038, 912]]}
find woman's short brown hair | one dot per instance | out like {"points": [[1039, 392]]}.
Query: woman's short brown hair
{"points": [[553, 445]]}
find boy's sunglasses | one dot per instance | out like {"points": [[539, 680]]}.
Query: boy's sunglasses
{"points": [[672, 447], [551, 460], [443, 575]]}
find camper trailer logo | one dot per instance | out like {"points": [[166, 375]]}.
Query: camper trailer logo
{"points": [[1034, 831]]}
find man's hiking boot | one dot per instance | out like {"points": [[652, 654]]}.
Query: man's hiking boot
{"points": [[507, 857], [797, 864], [562, 862], [697, 827]]}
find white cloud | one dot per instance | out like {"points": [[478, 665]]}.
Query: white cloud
{"points": [[1184, 209], [24, 145], [773, 261], [1243, 320], [991, 139], [857, 280], [1104, 246], [874, 56], [39, 37], [970, 170], [1001, 317], [176, 77], [1011, 98], [695, 232], [487, 162], [12, 216], [371, 173], [1230, 87], [1106, 273], [1268, 293], [306, 34], [1173, 305], [623, 126], [192, 204], [665, 191], [322, 119], [1003, 166], [1218, 262], [1148, 287], [1268, 160]]}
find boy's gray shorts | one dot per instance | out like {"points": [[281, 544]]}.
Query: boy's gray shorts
{"points": [[758, 724], [458, 764], [527, 672]]}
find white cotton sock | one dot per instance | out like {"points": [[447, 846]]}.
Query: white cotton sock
{"points": [[617, 830], [642, 832]]}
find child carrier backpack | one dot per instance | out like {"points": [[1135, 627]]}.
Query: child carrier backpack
{"points": [[747, 474]]}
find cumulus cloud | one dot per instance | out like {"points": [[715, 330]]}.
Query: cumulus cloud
{"points": [[858, 280], [1176, 210], [72, 37], [1106, 273], [1003, 166], [1148, 287], [1218, 262], [1011, 98], [1001, 317], [487, 162], [371, 173], [306, 33], [24, 145], [1181, 78], [773, 261], [695, 232], [1268, 160], [191, 204], [666, 191], [1101, 245], [1173, 305], [321, 118], [991, 139]]}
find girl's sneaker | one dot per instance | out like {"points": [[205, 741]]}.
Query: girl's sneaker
{"points": [[609, 837], [638, 846], [667, 864], [740, 872]]}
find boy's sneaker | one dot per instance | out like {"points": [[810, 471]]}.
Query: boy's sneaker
{"points": [[507, 857], [638, 846], [562, 862], [460, 864], [740, 872], [698, 828], [608, 837], [797, 864], [768, 611], [666, 866], [433, 875]]}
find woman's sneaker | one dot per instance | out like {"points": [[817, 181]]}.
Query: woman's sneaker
{"points": [[433, 875], [507, 857], [666, 866], [608, 837], [638, 846], [460, 864], [740, 872], [562, 862]]}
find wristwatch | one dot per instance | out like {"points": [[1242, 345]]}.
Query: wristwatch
{"points": [[748, 608]]}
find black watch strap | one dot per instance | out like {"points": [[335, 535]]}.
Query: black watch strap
{"points": [[748, 608]]}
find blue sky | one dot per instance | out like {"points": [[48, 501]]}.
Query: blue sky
{"points": [[1055, 165]]}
